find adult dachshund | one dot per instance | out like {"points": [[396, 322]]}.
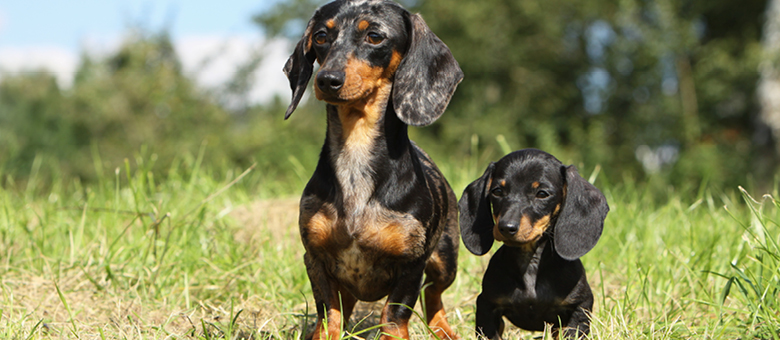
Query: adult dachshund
{"points": [[377, 214]]}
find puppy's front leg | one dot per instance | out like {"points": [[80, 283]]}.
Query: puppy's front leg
{"points": [[578, 326], [333, 302], [490, 322]]}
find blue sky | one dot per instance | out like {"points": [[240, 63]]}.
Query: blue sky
{"points": [[67, 22], [51, 34]]}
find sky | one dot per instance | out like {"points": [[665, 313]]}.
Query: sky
{"points": [[211, 37]]}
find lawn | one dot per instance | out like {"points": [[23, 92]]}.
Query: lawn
{"points": [[206, 254]]}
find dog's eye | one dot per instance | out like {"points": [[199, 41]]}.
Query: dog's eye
{"points": [[374, 38], [498, 192], [320, 38], [542, 194]]}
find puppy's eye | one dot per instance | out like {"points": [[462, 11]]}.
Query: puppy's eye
{"points": [[374, 38], [542, 194], [498, 192], [320, 38]]}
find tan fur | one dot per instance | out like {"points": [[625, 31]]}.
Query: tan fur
{"points": [[362, 25], [531, 231], [393, 331], [392, 238], [438, 324], [528, 232], [320, 229]]}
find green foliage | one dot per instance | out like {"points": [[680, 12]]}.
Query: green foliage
{"points": [[663, 89], [593, 82], [754, 278], [138, 103], [31, 122], [139, 96]]}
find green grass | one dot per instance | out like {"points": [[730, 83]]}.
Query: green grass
{"points": [[210, 254]]}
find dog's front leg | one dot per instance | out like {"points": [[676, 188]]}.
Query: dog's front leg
{"points": [[578, 326], [400, 303], [490, 322], [334, 304]]}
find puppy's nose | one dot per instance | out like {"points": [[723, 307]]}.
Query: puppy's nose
{"points": [[508, 228], [330, 81]]}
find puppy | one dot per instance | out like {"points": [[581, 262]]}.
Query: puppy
{"points": [[377, 214], [548, 217]]}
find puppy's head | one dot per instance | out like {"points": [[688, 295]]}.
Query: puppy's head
{"points": [[529, 193], [366, 46]]}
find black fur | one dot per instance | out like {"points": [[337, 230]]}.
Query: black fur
{"points": [[547, 216]]}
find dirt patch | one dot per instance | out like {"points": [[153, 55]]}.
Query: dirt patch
{"points": [[32, 305], [83, 307], [277, 218]]}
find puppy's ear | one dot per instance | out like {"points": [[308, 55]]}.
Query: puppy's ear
{"points": [[476, 219], [581, 221], [426, 78], [299, 68]]}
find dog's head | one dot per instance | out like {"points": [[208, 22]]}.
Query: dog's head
{"points": [[364, 45], [529, 193]]}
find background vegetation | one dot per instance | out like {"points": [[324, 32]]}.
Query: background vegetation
{"points": [[646, 89], [137, 205]]}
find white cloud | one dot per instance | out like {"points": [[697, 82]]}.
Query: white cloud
{"points": [[211, 60], [58, 60]]}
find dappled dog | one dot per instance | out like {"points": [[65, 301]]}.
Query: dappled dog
{"points": [[548, 217], [377, 213]]}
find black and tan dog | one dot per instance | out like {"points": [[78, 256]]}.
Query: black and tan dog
{"points": [[377, 214], [548, 217]]}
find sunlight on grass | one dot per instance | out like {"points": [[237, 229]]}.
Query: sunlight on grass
{"points": [[197, 255]]}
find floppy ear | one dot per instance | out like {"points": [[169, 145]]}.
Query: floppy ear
{"points": [[299, 67], [426, 78], [476, 220], [581, 221]]}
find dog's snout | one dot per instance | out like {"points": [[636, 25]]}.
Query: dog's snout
{"points": [[330, 81], [508, 228]]}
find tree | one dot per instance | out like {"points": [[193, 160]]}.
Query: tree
{"points": [[652, 88]]}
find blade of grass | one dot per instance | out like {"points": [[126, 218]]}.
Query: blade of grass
{"points": [[75, 329]]}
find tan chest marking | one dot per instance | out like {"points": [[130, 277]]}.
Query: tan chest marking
{"points": [[375, 231], [320, 230]]}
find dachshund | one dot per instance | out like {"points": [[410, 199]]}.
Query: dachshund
{"points": [[377, 215], [547, 216]]}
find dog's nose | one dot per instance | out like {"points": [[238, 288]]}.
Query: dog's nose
{"points": [[508, 228], [330, 81]]}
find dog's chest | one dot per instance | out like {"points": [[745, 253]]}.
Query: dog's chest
{"points": [[364, 251]]}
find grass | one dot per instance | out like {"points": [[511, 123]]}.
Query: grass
{"points": [[199, 256]]}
